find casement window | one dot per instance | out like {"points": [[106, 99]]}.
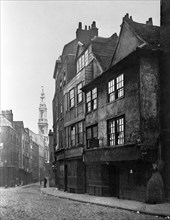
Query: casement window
{"points": [[71, 98], [61, 108], [120, 86], [91, 100], [91, 133], [84, 59], [60, 84], [116, 88], [73, 135], [111, 90], [80, 133], [116, 131], [64, 79], [79, 93], [80, 63]]}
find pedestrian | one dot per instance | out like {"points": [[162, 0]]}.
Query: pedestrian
{"points": [[45, 182]]}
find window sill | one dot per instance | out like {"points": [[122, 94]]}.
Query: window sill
{"points": [[91, 111], [115, 100]]}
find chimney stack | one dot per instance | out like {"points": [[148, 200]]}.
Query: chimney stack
{"points": [[84, 35], [8, 115], [149, 21]]}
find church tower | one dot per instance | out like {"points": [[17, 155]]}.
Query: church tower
{"points": [[42, 122]]}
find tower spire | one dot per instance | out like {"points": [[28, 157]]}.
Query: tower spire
{"points": [[42, 122]]}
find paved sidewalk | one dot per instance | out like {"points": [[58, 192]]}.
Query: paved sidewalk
{"points": [[140, 207]]}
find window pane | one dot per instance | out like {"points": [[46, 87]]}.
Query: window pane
{"points": [[95, 104], [94, 93], [120, 85], [111, 90], [111, 131], [88, 96], [80, 127], [89, 136], [94, 131], [79, 93], [120, 131]]}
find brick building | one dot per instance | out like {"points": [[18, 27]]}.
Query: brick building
{"points": [[9, 150], [23, 154]]}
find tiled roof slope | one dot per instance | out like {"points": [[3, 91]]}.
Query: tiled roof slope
{"points": [[103, 49], [148, 32], [4, 122], [69, 48]]}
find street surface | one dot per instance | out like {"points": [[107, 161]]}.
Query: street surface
{"points": [[29, 203]]}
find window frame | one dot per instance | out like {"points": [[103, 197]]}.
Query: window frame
{"points": [[91, 100], [91, 129], [71, 99], [71, 136], [117, 131], [79, 133], [79, 93], [115, 88]]}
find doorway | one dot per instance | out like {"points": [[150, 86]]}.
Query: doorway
{"points": [[114, 180]]}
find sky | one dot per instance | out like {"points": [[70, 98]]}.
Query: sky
{"points": [[33, 34]]}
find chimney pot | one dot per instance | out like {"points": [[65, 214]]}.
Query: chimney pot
{"points": [[80, 25], [85, 27], [94, 24], [130, 17]]}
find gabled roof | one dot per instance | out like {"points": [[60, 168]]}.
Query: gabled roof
{"points": [[135, 35], [148, 32], [103, 49]]}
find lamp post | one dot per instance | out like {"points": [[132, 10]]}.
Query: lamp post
{"points": [[5, 173]]}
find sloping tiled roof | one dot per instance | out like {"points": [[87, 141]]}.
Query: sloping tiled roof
{"points": [[70, 48], [149, 33], [4, 122], [103, 49]]}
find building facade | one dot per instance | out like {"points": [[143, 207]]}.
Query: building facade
{"points": [[110, 112], [123, 130], [23, 154], [9, 151]]}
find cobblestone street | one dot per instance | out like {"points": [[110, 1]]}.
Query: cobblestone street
{"points": [[30, 203]]}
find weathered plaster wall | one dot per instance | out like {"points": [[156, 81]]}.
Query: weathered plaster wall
{"points": [[149, 99], [128, 106]]}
